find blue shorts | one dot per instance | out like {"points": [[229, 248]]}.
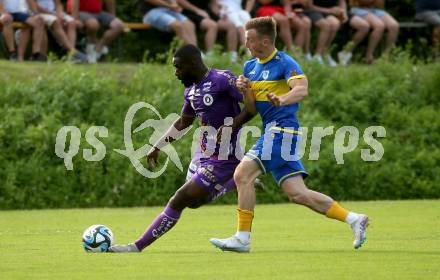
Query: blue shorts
{"points": [[20, 17], [362, 12], [276, 152], [161, 18]]}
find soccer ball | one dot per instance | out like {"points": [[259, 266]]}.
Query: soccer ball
{"points": [[97, 238]]}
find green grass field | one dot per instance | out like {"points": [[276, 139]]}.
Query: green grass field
{"points": [[289, 242]]}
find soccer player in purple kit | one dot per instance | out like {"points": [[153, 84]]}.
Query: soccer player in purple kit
{"points": [[212, 97]]}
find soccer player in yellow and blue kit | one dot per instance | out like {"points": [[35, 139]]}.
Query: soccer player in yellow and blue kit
{"points": [[273, 84]]}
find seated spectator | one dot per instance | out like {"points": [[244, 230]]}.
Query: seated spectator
{"points": [[93, 16], [202, 20], [327, 15], [167, 16], [429, 12], [274, 8], [212, 7], [51, 12], [8, 32], [379, 20], [20, 13], [233, 11], [295, 12]]}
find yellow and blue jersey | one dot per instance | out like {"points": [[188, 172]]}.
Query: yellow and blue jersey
{"points": [[272, 75], [276, 150]]}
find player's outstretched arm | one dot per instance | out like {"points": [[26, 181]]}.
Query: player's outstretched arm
{"points": [[174, 132], [299, 90]]}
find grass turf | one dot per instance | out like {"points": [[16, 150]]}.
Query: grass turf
{"points": [[289, 242]]}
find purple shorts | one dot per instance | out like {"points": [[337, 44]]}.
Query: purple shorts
{"points": [[211, 174]]}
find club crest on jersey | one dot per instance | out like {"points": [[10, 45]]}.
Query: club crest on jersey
{"points": [[265, 74], [208, 99]]}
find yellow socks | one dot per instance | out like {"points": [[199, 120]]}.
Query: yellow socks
{"points": [[245, 218], [337, 212]]}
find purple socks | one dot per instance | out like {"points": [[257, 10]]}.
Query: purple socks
{"points": [[163, 222]]}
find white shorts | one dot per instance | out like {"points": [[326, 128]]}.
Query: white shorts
{"points": [[49, 19], [237, 17]]}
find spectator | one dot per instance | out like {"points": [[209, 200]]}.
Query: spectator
{"points": [[167, 16], [429, 12], [295, 12], [327, 15], [51, 12], [19, 9], [274, 9], [379, 20], [233, 11], [91, 13], [362, 27], [212, 7], [8, 31], [202, 20]]}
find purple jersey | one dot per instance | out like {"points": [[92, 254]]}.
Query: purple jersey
{"points": [[214, 99]]}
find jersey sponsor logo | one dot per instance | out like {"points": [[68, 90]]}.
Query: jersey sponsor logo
{"points": [[265, 74], [208, 99], [207, 87], [293, 73]]}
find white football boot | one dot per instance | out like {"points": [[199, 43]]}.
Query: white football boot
{"points": [[359, 228], [129, 248], [231, 244]]}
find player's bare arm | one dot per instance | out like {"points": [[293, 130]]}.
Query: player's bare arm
{"points": [[299, 90], [244, 86]]}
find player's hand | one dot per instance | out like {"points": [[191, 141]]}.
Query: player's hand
{"points": [[152, 157], [344, 17], [274, 99], [242, 83]]}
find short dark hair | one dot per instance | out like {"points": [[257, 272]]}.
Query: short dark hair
{"points": [[189, 52], [265, 26]]}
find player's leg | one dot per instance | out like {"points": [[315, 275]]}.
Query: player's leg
{"points": [[298, 193], [245, 174], [189, 195]]}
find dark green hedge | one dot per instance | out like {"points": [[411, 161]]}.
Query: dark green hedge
{"points": [[36, 101]]}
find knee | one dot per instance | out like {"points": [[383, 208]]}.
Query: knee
{"points": [[211, 25], [71, 25], [117, 25], [177, 26], [307, 24], [92, 25], [378, 26], [364, 28], [241, 178], [283, 22], [334, 25], [6, 19], [393, 27]]}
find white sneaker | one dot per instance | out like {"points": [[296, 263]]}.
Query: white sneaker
{"points": [[318, 58], [344, 57], [307, 57], [130, 248], [92, 55], [233, 57], [331, 62], [231, 244], [359, 228]]}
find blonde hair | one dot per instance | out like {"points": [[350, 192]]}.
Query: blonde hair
{"points": [[264, 26]]}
